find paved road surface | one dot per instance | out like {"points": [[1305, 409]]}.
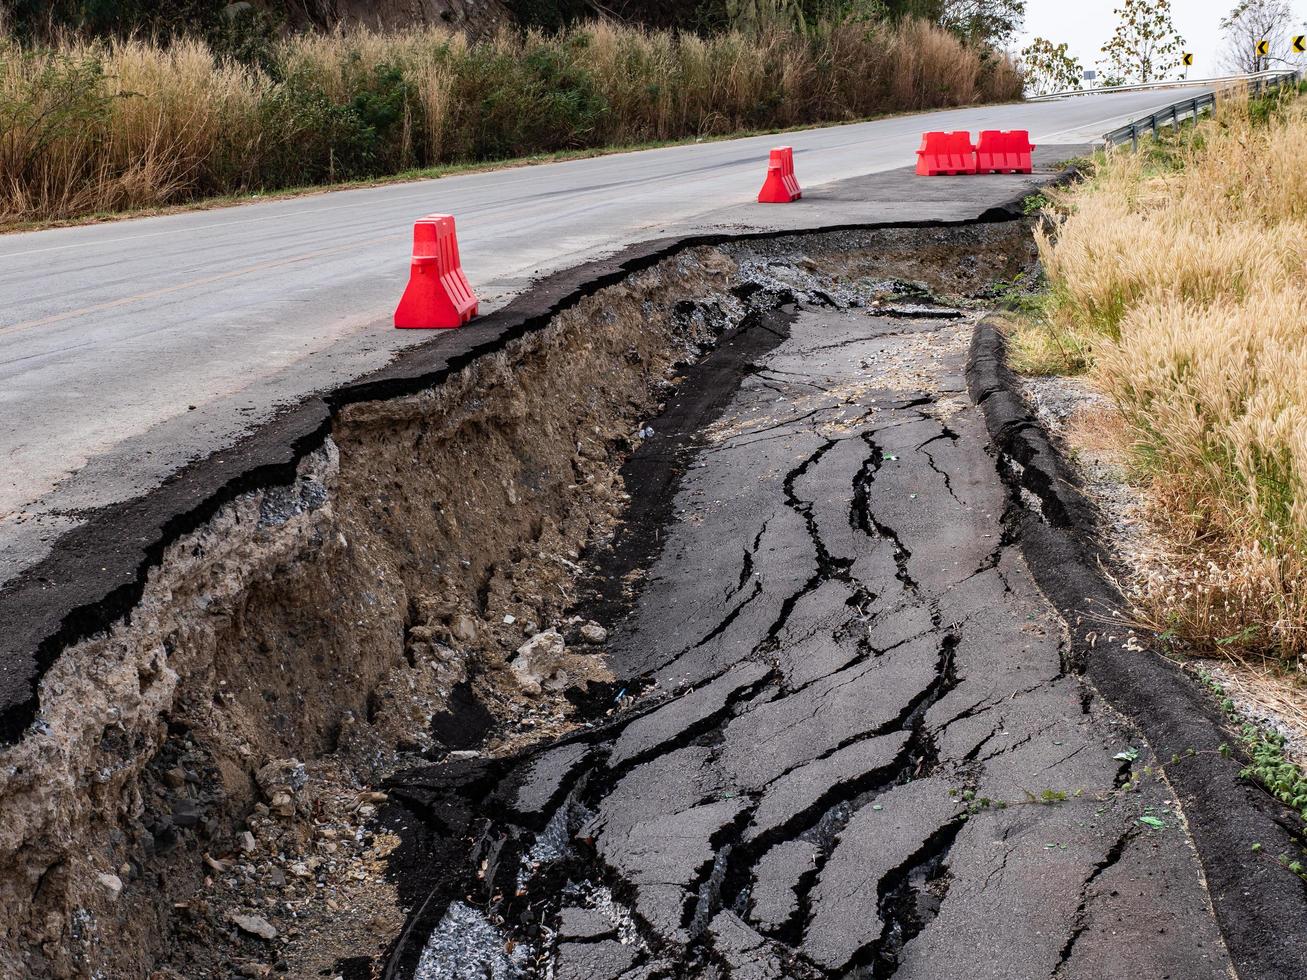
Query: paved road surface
{"points": [[129, 349], [870, 758]]}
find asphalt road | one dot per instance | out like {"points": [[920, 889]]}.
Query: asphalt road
{"points": [[131, 348], [867, 755]]}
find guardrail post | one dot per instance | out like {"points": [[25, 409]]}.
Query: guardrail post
{"points": [[1134, 137]]}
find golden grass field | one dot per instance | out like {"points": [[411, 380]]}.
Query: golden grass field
{"points": [[1178, 280]]}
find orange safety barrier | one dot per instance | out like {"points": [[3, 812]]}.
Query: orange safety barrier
{"points": [[781, 185], [1004, 152], [946, 153], [438, 294]]}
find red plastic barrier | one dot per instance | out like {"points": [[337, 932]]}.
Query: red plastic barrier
{"points": [[438, 294], [946, 153], [1003, 152], [781, 185]]}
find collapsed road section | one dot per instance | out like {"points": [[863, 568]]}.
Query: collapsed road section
{"points": [[860, 751], [684, 635]]}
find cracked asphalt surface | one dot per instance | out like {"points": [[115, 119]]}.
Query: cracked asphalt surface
{"points": [[861, 752]]}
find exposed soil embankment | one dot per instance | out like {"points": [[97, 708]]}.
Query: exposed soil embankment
{"points": [[197, 794]]}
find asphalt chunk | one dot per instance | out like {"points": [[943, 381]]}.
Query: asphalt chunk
{"points": [[578, 923], [776, 879], [545, 779], [585, 961], [663, 859], [686, 712], [778, 736], [801, 791], [745, 953], [881, 838]]}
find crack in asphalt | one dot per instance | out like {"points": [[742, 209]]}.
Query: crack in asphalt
{"points": [[897, 912], [865, 517], [948, 483], [684, 800], [726, 622], [1110, 860]]}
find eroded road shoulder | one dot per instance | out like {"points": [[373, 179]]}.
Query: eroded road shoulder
{"points": [[858, 751]]}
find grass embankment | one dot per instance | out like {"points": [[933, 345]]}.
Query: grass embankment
{"points": [[1178, 280], [95, 127]]}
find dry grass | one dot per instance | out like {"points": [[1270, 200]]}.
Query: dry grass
{"points": [[98, 127], [1182, 292]]}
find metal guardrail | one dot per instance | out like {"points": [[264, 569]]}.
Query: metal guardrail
{"points": [[1177, 112], [1251, 78]]}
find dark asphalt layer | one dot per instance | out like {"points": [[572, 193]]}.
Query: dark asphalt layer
{"points": [[865, 753]]}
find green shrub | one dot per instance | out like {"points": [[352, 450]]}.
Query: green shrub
{"points": [[315, 139]]}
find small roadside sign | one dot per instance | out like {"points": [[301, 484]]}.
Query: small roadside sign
{"points": [[1188, 59], [1300, 43], [1263, 48]]}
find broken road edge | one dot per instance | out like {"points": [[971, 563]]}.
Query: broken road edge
{"points": [[96, 573], [1260, 906]]}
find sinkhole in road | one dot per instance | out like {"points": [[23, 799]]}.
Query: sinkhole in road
{"points": [[421, 712], [559, 845]]}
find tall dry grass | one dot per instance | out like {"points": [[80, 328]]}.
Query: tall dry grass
{"points": [[95, 128], [105, 126], [1185, 293]]}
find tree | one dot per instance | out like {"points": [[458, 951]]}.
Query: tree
{"points": [[1049, 68], [983, 22], [1146, 46], [1249, 22]]}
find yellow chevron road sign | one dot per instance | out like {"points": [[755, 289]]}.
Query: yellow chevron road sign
{"points": [[1263, 48], [1188, 59], [1300, 43]]}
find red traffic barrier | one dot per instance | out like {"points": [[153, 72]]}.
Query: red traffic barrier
{"points": [[946, 153], [781, 186], [438, 294], [1004, 152]]}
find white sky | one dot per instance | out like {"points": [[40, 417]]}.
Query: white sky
{"points": [[1087, 24]]}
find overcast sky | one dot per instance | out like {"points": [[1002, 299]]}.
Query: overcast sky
{"points": [[1087, 24]]}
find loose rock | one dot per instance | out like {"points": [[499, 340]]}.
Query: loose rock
{"points": [[112, 885], [255, 925], [537, 659]]}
